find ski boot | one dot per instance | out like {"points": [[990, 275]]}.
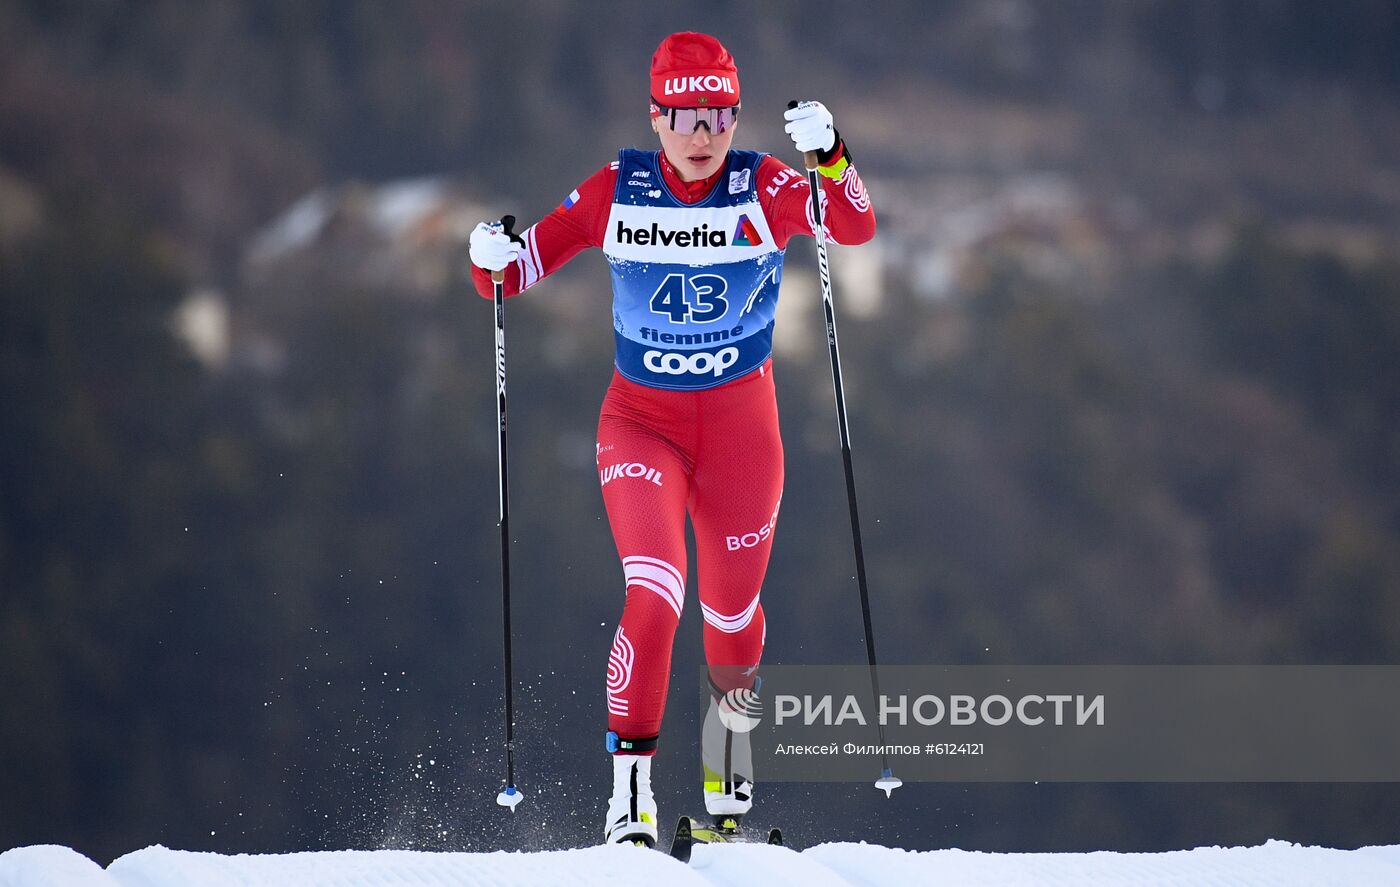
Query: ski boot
{"points": [[631, 815], [727, 799], [726, 755]]}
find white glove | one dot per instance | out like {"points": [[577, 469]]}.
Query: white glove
{"points": [[491, 248], [810, 126]]}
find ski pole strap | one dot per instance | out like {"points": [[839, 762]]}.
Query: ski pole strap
{"points": [[834, 171], [616, 744], [507, 223]]}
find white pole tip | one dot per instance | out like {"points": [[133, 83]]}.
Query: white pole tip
{"points": [[888, 782], [509, 797]]}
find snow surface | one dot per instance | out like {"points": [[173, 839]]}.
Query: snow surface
{"points": [[1276, 864]]}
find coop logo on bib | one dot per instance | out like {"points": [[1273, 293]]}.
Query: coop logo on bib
{"points": [[695, 363]]}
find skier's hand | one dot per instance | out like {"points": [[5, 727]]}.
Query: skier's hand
{"points": [[810, 126], [491, 248]]}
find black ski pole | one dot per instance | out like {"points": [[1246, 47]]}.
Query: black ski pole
{"points": [[887, 781], [510, 795]]}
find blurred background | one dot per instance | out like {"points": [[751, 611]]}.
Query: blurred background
{"points": [[1123, 366]]}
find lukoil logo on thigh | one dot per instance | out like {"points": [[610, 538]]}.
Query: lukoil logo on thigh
{"points": [[695, 363]]}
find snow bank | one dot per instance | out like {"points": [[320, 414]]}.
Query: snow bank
{"points": [[47, 865], [1276, 864]]}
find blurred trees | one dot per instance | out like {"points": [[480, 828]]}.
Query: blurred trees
{"points": [[102, 435]]}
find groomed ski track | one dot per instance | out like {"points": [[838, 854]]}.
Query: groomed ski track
{"points": [[1277, 864]]}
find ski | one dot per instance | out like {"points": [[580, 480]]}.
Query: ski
{"points": [[725, 830]]}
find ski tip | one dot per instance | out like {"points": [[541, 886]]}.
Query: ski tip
{"points": [[509, 797], [888, 782], [682, 841]]}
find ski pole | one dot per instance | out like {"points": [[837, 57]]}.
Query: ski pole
{"points": [[509, 796], [888, 782]]}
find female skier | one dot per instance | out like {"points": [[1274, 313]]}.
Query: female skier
{"points": [[694, 236]]}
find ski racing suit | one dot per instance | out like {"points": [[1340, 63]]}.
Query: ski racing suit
{"points": [[689, 424]]}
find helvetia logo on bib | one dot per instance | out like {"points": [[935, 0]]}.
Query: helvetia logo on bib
{"points": [[701, 235], [745, 234]]}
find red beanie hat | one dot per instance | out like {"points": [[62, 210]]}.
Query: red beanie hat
{"points": [[691, 70]]}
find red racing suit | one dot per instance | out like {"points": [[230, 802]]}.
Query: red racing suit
{"points": [[713, 453]]}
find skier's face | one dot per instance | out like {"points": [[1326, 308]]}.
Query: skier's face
{"points": [[697, 155]]}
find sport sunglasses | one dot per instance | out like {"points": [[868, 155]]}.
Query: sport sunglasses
{"points": [[688, 120]]}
